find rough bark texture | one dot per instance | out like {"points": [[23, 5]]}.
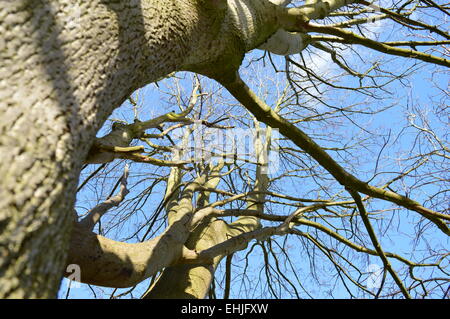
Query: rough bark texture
{"points": [[61, 77], [191, 281], [109, 263]]}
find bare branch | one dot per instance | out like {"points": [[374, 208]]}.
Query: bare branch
{"points": [[94, 215]]}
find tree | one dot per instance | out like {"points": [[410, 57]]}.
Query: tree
{"points": [[66, 70]]}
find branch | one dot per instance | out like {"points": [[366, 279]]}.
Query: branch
{"points": [[109, 263], [311, 10], [376, 244], [375, 45], [283, 42], [228, 246], [241, 241], [398, 17], [116, 143], [98, 211], [294, 218], [151, 160], [265, 114], [297, 20]]}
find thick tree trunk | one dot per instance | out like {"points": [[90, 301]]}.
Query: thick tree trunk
{"points": [[191, 281]]}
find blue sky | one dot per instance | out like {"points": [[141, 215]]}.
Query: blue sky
{"points": [[388, 125]]}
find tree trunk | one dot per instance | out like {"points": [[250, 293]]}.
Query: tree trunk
{"points": [[191, 281], [188, 281]]}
